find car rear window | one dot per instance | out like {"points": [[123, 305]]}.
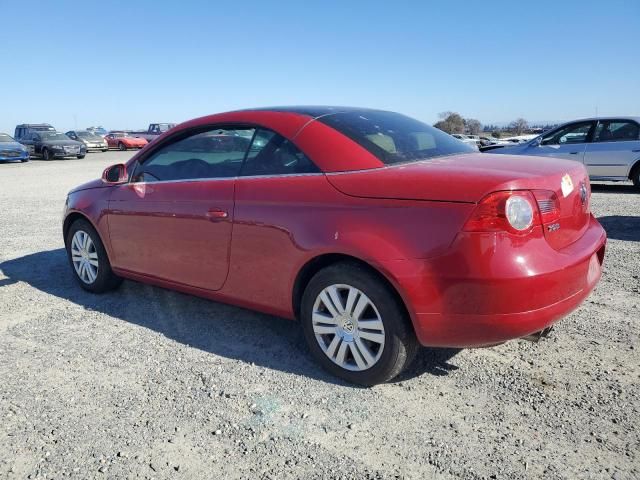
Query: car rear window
{"points": [[394, 138]]}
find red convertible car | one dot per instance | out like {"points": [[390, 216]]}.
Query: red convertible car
{"points": [[124, 141], [377, 232]]}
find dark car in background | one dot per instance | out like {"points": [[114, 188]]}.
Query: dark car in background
{"points": [[91, 140], [153, 131], [24, 129], [51, 145], [12, 150]]}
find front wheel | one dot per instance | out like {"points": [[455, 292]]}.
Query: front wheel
{"points": [[81, 156], [355, 326], [122, 147], [45, 154], [88, 258]]}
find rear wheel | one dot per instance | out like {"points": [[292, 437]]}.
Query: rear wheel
{"points": [[355, 326], [81, 156], [121, 146], [105, 150], [46, 154], [635, 176], [88, 258]]}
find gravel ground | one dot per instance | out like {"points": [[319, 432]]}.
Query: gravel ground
{"points": [[148, 383]]}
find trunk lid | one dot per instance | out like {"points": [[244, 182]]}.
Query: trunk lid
{"points": [[574, 198], [469, 178]]}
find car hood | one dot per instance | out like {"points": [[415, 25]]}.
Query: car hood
{"points": [[11, 146], [457, 178], [62, 142], [509, 149]]}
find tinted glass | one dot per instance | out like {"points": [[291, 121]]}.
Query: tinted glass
{"points": [[272, 154], [213, 154], [87, 135], [574, 133], [617, 131], [395, 138], [53, 136]]}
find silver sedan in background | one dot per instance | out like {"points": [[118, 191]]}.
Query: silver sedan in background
{"points": [[608, 147], [90, 139]]}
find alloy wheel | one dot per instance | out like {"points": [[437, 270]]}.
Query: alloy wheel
{"points": [[84, 257], [348, 327]]}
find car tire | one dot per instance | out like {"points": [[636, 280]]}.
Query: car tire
{"points": [[121, 146], [337, 340], [88, 259], [105, 150], [635, 176], [45, 154], [23, 160], [80, 157]]}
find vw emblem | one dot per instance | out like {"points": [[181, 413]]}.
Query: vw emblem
{"points": [[583, 193]]}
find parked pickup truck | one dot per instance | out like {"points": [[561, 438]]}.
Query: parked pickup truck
{"points": [[154, 130]]}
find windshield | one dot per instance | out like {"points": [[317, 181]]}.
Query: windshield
{"points": [[53, 136], [163, 127], [395, 138], [6, 138], [88, 135], [120, 134]]}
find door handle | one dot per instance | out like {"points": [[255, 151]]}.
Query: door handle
{"points": [[636, 150], [573, 153], [216, 214]]}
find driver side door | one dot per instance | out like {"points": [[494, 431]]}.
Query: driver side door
{"points": [[569, 142], [174, 218]]}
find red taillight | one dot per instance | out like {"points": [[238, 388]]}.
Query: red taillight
{"points": [[493, 214], [548, 205]]}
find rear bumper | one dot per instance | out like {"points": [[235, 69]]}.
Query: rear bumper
{"points": [[494, 288]]}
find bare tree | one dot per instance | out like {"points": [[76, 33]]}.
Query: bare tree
{"points": [[451, 122], [519, 125], [472, 126]]}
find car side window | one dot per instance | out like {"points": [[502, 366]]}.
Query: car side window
{"points": [[617, 131], [574, 133], [216, 153], [272, 154]]}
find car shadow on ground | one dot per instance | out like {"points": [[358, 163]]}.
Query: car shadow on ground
{"points": [[213, 327], [621, 227], [614, 188]]}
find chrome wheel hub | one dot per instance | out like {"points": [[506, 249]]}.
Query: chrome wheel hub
{"points": [[84, 257], [348, 327]]}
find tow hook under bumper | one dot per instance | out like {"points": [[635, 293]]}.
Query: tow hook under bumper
{"points": [[536, 336]]}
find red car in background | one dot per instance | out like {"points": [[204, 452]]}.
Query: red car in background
{"points": [[378, 232], [124, 141]]}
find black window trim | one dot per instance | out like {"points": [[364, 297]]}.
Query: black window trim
{"points": [[612, 120], [189, 132], [590, 134]]}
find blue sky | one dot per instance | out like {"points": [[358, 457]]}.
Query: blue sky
{"points": [[123, 64]]}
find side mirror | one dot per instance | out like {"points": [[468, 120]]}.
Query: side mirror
{"points": [[115, 174], [536, 142]]}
